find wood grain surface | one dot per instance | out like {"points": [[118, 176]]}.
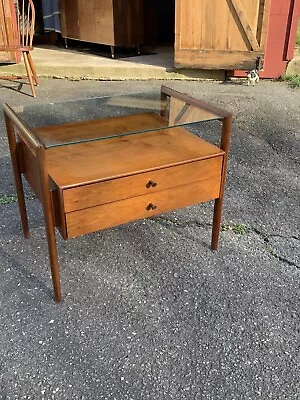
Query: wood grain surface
{"points": [[136, 185], [120, 212], [89, 162]]}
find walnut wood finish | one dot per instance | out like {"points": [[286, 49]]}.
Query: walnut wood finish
{"points": [[98, 128], [33, 155], [195, 102], [90, 195], [119, 212], [69, 166], [97, 184], [49, 221], [17, 174], [225, 144], [30, 168]]}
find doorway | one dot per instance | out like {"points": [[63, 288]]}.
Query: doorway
{"points": [[159, 22]]}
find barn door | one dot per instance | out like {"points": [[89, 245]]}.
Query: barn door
{"points": [[220, 34], [8, 31]]}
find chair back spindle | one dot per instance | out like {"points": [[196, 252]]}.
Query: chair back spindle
{"points": [[25, 17], [26, 21]]}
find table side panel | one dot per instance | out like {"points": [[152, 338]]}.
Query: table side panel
{"points": [[87, 196], [58, 211], [30, 169], [135, 208]]}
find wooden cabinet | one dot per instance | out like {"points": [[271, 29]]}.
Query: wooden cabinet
{"points": [[110, 22]]}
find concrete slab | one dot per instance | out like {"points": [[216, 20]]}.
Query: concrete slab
{"points": [[52, 61]]}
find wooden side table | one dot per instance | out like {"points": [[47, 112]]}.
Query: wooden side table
{"points": [[134, 158]]}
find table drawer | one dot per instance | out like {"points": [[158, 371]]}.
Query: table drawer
{"points": [[123, 211], [91, 195]]}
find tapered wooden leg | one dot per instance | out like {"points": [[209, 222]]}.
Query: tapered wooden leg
{"points": [[225, 144], [29, 73], [35, 78], [52, 249], [17, 175], [216, 223], [49, 223]]}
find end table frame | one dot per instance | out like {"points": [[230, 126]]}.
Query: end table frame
{"points": [[19, 135], [25, 137]]}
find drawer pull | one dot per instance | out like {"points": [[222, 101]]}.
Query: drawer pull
{"points": [[151, 206], [151, 184]]}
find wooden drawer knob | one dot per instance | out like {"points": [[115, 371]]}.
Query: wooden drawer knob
{"points": [[151, 184], [151, 206]]}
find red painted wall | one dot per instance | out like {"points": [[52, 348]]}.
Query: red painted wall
{"points": [[281, 38]]}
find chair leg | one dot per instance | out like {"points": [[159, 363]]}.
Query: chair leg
{"points": [[12, 77], [33, 69], [29, 73]]}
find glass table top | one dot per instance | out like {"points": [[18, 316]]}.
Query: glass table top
{"points": [[99, 118]]}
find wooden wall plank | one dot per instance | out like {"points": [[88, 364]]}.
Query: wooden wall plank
{"points": [[244, 60], [245, 24], [229, 29], [264, 23], [8, 30]]}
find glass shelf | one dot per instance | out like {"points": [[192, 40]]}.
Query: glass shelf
{"points": [[99, 118]]}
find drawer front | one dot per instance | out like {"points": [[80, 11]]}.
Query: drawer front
{"points": [[123, 211], [136, 185]]}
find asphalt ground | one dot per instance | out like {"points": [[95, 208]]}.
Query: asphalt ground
{"points": [[148, 310]]}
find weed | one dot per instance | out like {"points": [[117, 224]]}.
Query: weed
{"points": [[10, 198], [238, 229], [293, 80], [298, 34], [7, 199]]}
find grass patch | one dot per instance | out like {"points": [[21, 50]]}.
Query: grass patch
{"points": [[293, 80], [298, 34], [4, 199], [10, 198], [238, 229]]}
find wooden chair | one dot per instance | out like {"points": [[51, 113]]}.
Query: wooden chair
{"points": [[23, 42]]}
